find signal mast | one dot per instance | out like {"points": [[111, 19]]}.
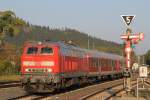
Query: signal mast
{"points": [[129, 39]]}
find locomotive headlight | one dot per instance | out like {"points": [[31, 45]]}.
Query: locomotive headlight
{"points": [[26, 70], [49, 70], [47, 63], [28, 63]]}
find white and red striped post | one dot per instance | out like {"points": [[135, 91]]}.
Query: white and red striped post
{"points": [[129, 40]]}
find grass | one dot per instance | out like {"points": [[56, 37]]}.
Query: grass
{"points": [[9, 78]]}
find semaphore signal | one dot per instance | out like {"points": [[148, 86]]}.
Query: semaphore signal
{"points": [[130, 40]]}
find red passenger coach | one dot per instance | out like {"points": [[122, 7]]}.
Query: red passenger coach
{"points": [[47, 66]]}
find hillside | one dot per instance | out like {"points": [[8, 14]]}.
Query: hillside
{"points": [[17, 31], [39, 33]]}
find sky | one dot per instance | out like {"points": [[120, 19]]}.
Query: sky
{"points": [[99, 18]]}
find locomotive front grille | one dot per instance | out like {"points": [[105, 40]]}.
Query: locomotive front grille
{"points": [[38, 70]]}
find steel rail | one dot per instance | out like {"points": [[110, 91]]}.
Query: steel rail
{"points": [[105, 89], [10, 84]]}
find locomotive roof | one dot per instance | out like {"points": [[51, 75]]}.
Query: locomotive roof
{"points": [[90, 53]]}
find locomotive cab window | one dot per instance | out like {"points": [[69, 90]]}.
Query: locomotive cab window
{"points": [[46, 50], [32, 50]]}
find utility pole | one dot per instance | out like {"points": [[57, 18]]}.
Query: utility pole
{"points": [[88, 44], [129, 39], [93, 43], [139, 60], [143, 59]]}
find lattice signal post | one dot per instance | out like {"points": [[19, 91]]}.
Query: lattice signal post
{"points": [[130, 39]]}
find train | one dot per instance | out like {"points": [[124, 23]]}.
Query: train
{"points": [[50, 66]]}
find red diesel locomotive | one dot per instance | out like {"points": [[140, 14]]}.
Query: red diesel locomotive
{"points": [[48, 66]]}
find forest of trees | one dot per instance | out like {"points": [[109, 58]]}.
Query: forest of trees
{"points": [[15, 31]]}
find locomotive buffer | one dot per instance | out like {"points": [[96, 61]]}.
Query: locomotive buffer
{"points": [[130, 40]]}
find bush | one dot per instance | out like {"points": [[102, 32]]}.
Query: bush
{"points": [[6, 67]]}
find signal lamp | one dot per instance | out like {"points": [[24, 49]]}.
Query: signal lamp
{"points": [[141, 36]]}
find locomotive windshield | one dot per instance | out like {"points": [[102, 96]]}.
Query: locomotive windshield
{"points": [[32, 50], [46, 50]]}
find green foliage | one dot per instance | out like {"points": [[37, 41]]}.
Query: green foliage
{"points": [[6, 67], [147, 57], [39, 33], [9, 59], [9, 78], [9, 23]]}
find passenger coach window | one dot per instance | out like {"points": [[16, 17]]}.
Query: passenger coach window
{"points": [[46, 50], [32, 50]]}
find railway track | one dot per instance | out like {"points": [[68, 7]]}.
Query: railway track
{"points": [[114, 92], [28, 97], [10, 84], [83, 93], [119, 91], [103, 90], [111, 90], [47, 96], [147, 83], [87, 92]]}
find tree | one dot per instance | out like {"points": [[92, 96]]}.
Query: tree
{"points": [[6, 21], [147, 57], [9, 24]]}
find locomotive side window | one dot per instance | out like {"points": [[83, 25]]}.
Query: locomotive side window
{"points": [[46, 50], [32, 50]]}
